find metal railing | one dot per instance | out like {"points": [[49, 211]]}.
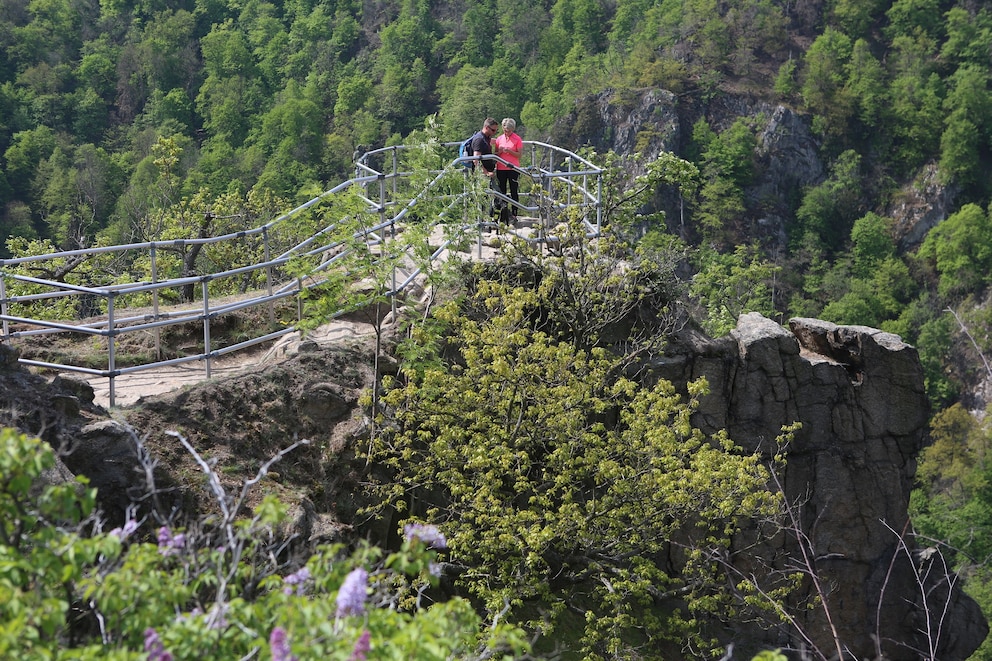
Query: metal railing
{"points": [[556, 180]]}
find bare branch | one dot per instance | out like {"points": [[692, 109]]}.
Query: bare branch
{"points": [[809, 564], [935, 614], [974, 343]]}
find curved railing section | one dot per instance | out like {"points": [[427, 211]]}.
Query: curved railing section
{"points": [[552, 180]]}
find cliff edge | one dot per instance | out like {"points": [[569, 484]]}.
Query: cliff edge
{"points": [[858, 394]]}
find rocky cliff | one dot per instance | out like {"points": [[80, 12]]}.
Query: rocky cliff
{"points": [[857, 392], [786, 158]]}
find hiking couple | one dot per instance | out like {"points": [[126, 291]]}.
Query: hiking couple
{"points": [[509, 147]]}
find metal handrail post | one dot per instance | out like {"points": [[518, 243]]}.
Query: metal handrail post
{"points": [[534, 165], [299, 299], [568, 188], [206, 325], [4, 309], [382, 198], [396, 169], [467, 200], [545, 224], [585, 193], [158, 333], [111, 355], [392, 235], [599, 203], [268, 275]]}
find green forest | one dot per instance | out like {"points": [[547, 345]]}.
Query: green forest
{"points": [[125, 121]]}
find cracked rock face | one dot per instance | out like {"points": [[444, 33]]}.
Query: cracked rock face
{"points": [[858, 393]]}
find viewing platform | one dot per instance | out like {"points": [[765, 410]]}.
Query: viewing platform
{"points": [[399, 221]]}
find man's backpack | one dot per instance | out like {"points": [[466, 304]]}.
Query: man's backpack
{"points": [[464, 151]]}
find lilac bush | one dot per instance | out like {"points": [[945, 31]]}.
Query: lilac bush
{"points": [[169, 544], [296, 582], [427, 534], [123, 533], [153, 645], [279, 645], [362, 647], [353, 593], [172, 595]]}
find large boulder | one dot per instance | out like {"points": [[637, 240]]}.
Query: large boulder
{"points": [[859, 397], [61, 411]]}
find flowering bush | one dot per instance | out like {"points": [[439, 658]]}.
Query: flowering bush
{"points": [[70, 591], [564, 488], [429, 535]]}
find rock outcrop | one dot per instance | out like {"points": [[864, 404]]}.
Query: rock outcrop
{"points": [[920, 206], [858, 394], [625, 122], [61, 411], [786, 158]]}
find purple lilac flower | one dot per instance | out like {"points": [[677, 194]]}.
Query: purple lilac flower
{"points": [[123, 533], [169, 544], [298, 579], [217, 618], [426, 533], [279, 644], [362, 647], [353, 593], [154, 647]]}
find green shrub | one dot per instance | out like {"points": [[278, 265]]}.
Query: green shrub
{"points": [[215, 591]]}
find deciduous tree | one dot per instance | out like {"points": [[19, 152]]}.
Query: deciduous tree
{"points": [[960, 250], [561, 485]]}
